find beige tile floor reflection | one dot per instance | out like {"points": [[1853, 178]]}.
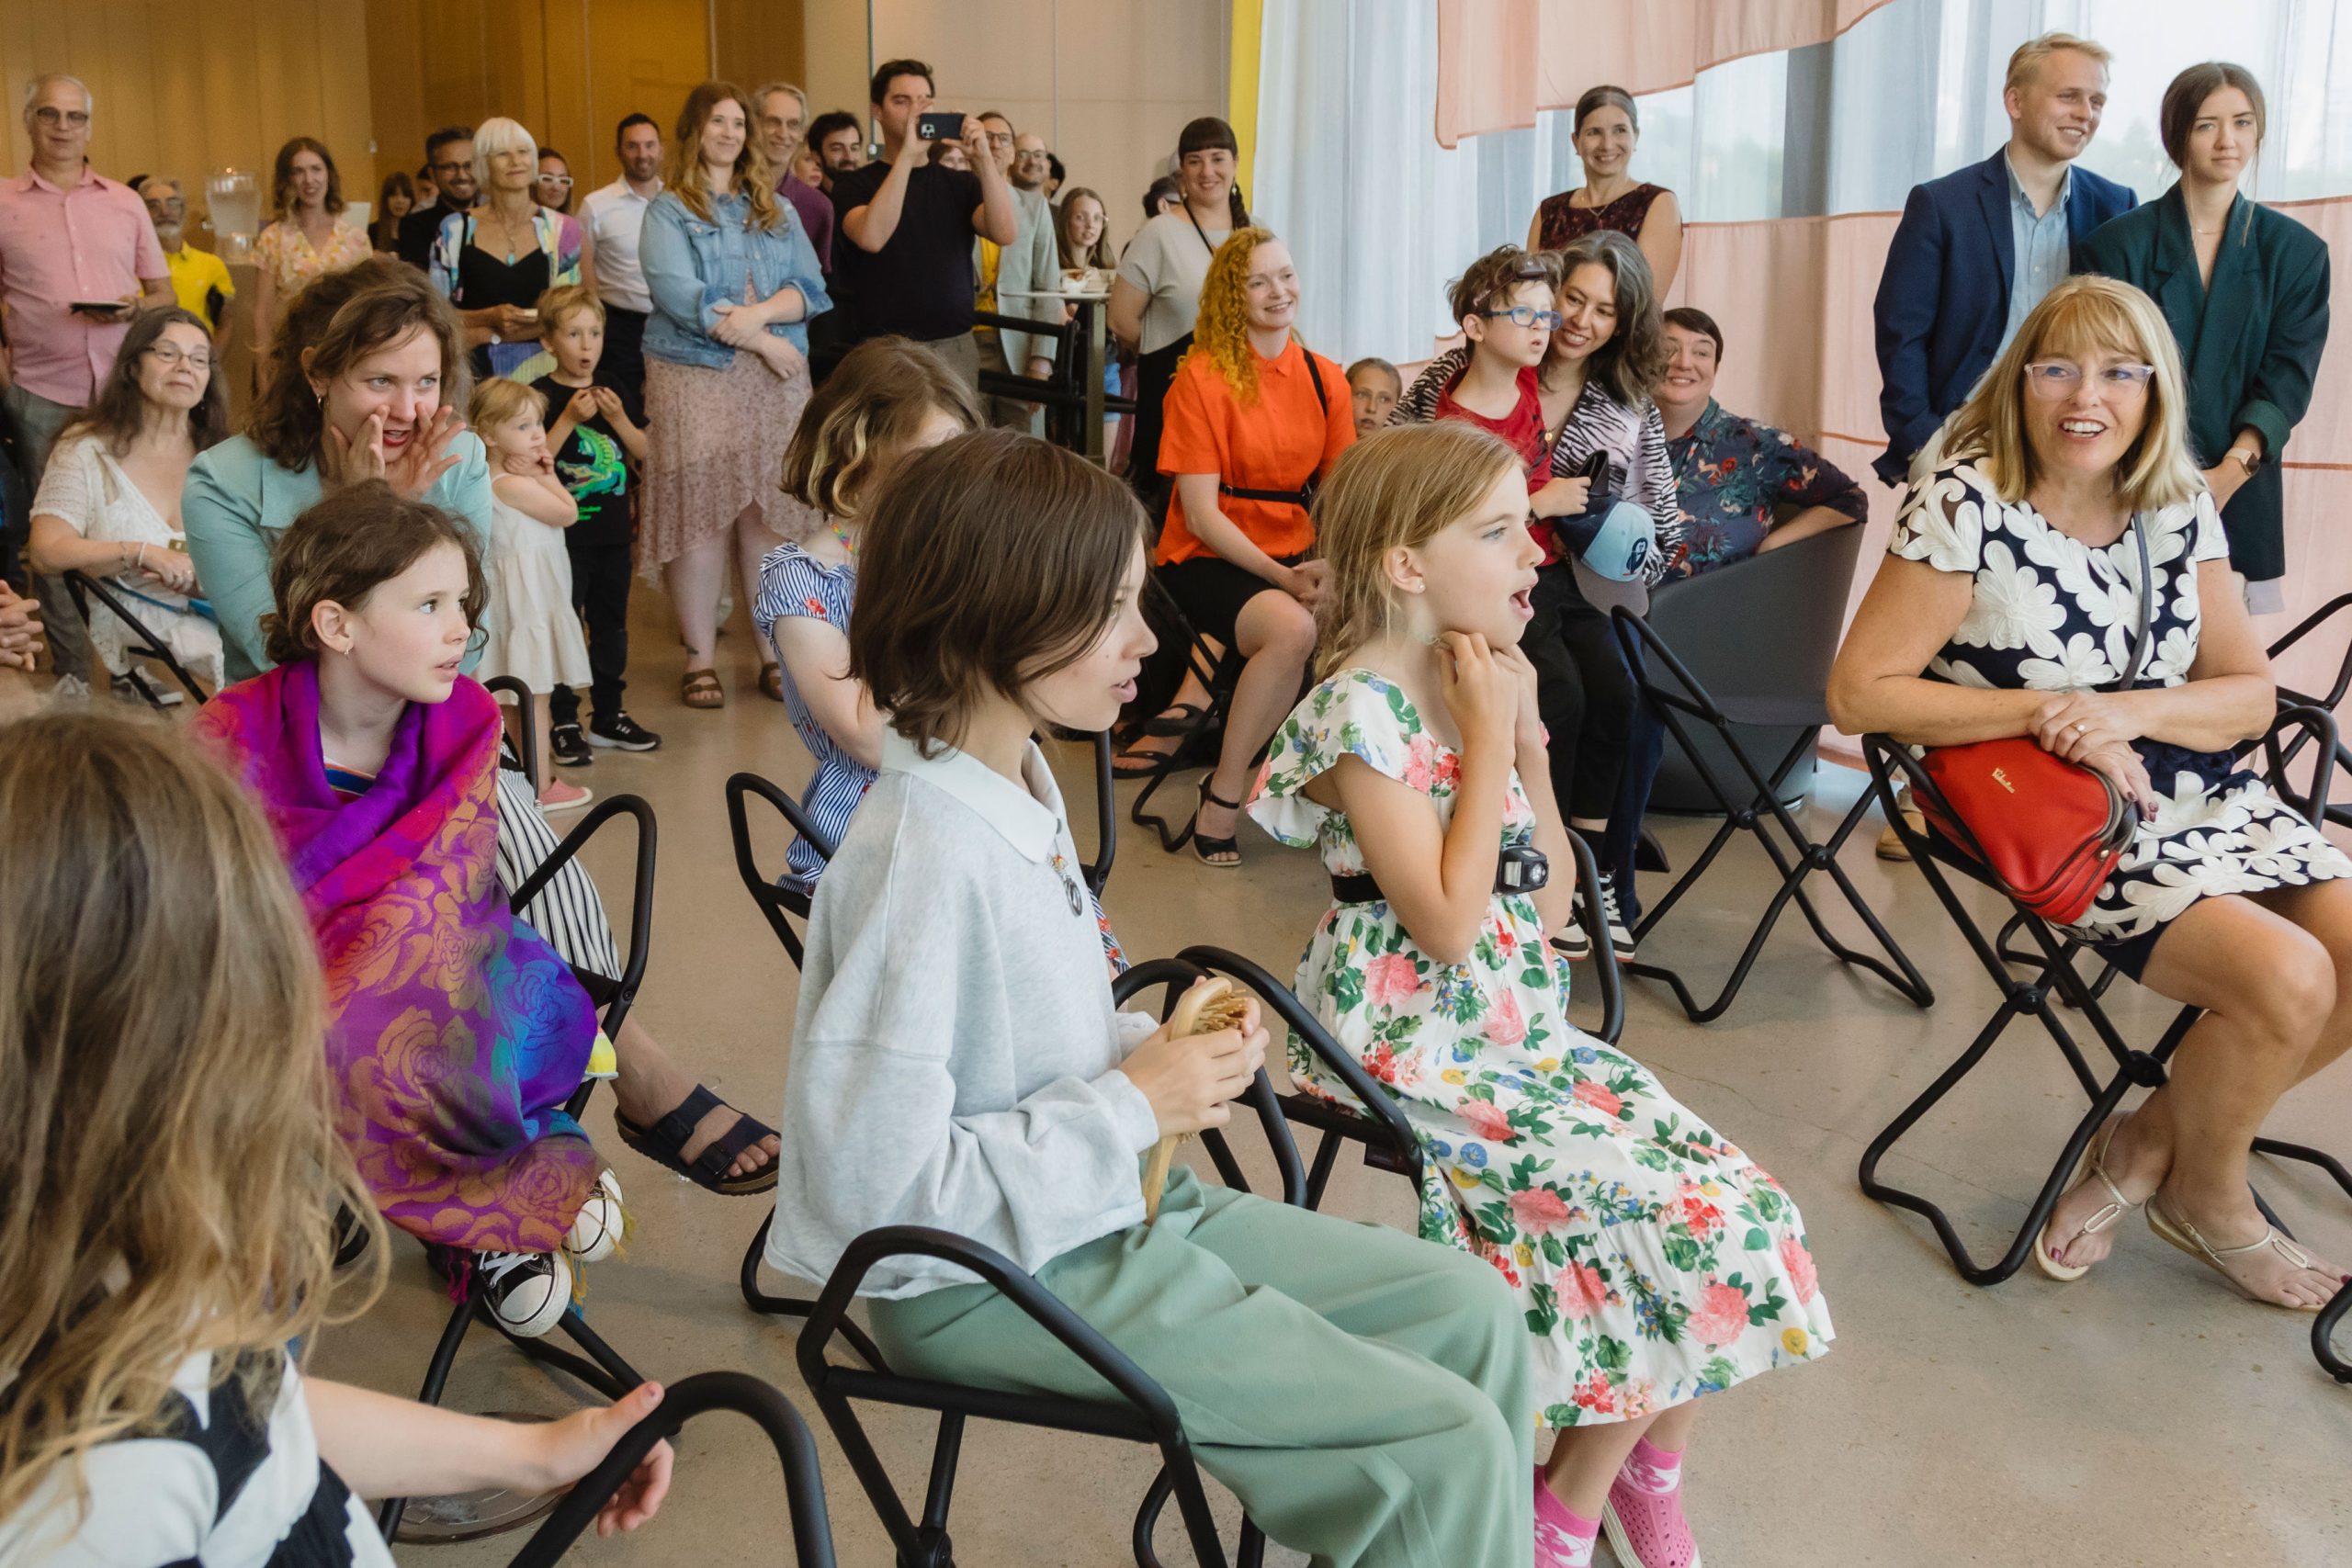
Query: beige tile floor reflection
{"points": [[2143, 1415]]}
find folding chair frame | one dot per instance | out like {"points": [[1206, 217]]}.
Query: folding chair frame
{"points": [[1217, 675], [2054, 971], [1799, 859], [1143, 1414], [604, 1371], [82, 588]]}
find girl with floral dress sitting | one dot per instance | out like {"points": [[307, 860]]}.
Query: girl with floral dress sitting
{"points": [[1654, 1262]]}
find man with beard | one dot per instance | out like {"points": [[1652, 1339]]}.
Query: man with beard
{"points": [[839, 143], [613, 217], [201, 280], [449, 158]]}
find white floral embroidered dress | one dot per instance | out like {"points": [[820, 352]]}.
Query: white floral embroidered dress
{"points": [[2052, 612], [1653, 1260]]}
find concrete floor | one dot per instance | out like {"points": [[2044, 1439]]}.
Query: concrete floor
{"points": [[2143, 1415]]}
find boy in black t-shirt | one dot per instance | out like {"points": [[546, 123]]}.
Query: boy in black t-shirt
{"points": [[597, 432]]}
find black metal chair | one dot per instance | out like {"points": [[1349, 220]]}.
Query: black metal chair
{"points": [[604, 1371], [1194, 734], [522, 745], [1143, 1413], [1760, 672], [2054, 975], [804, 1485], [144, 644], [2324, 1336], [1386, 1136]]}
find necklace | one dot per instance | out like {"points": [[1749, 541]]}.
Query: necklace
{"points": [[506, 230], [849, 545]]}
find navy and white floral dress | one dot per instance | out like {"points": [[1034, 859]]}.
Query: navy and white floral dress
{"points": [[2051, 613]]}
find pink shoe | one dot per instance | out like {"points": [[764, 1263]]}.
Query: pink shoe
{"points": [[1563, 1540], [561, 797], [1646, 1529]]}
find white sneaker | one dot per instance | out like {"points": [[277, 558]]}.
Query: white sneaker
{"points": [[1621, 936], [528, 1293], [596, 1232]]}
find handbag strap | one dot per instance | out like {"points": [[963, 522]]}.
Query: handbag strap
{"points": [[2147, 607]]}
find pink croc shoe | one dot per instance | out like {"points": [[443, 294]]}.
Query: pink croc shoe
{"points": [[1646, 1529], [1563, 1539]]}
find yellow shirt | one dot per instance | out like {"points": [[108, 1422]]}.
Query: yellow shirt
{"points": [[195, 275], [985, 300]]}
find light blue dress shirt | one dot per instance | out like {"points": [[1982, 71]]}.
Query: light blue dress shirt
{"points": [[2044, 257]]}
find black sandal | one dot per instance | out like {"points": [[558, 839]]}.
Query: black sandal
{"points": [[1140, 761], [664, 1143], [1203, 845], [1186, 718]]}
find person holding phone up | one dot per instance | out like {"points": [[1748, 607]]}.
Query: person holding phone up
{"points": [[907, 268]]}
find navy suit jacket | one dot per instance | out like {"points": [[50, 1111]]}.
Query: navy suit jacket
{"points": [[1944, 295]]}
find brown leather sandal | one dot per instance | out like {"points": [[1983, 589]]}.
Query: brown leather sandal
{"points": [[700, 688], [772, 682]]}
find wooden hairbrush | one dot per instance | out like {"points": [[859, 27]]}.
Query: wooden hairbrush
{"points": [[1212, 1005]]}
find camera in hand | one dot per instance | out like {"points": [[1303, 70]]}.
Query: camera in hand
{"points": [[931, 127]]}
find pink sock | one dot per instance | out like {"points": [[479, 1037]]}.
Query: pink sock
{"points": [[1652, 1469], [1564, 1539]]}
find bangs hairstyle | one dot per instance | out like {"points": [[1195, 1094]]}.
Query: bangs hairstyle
{"points": [[681, 172], [1691, 319], [498, 135], [282, 178], [345, 546], [2083, 313], [1396, 489], [1633, 359], [120, 411], [1221, 330], [337, 320], [1000, 561], [862, 419], [1207, 134], [1496, 276], [173, 1164], [562, 301]]}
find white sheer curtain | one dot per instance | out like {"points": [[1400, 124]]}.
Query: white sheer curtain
{"points": [[1380, 217]]}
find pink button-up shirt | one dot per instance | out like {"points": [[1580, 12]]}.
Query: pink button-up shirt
{"points": [[93, 242]]}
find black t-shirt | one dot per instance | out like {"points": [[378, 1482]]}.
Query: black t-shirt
{"points": [[418, 227], [592, 464], [920, 285]]}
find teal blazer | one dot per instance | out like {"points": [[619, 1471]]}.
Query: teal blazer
{"points": [[237, 503], [2250, 341]]}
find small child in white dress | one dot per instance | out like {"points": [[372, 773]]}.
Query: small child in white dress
{"points": [[533, 633]]}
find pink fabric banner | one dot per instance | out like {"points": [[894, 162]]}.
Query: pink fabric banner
{"points": [[1500, 62]]}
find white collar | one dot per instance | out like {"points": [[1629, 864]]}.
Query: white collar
{"points": [[1029, 819]]}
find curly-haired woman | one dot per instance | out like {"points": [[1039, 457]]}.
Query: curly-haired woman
{"points": [[1252, 422]]}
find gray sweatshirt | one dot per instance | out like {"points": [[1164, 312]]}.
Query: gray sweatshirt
{"points": [[954, 1061]]}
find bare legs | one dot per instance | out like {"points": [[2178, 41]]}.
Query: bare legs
{"points": [[1585, 1459], [2273, 972], [649, 1086], [694, 580], [1276, 636]]}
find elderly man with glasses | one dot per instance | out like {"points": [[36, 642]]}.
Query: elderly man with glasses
{"points": [[200, 279]]}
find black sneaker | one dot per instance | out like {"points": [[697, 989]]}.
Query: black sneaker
{"points": [[570, 747], [622, 731], [526, 1291]]}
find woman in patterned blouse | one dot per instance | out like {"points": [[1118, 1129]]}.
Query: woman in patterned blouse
{"points": [[1743, 486], [1607, 130]]}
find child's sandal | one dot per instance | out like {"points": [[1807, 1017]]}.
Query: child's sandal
{"points": [[700, 688]]}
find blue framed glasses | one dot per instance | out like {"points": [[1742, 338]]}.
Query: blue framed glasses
{"points": [[1527, 316]]}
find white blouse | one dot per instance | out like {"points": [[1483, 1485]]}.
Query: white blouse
{"points": [[88, 489]]}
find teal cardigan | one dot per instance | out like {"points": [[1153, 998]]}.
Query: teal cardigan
{"points": [[2250, 341], [238, 501]]}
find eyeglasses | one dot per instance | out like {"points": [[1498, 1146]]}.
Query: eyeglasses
{"points": [[1527, 316], [2058, 378], [443, 170], [167, 353], [49, 114], [999, 139]]}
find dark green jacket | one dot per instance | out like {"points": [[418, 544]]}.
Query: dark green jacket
{"points": [[2250, 341]]}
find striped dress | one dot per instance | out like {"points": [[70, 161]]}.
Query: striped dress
{"points": [[794, 583]]}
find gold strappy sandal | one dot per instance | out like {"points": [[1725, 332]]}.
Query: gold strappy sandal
{"points": [[2094, 1162], [2187, 1238]]}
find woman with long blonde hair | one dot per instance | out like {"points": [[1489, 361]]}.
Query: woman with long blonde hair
{"points": [[173, 1179], [2062, 574], [734, 281], [1252, 424]]}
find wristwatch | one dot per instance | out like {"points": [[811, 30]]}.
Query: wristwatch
{"points": [[2247, 460]]}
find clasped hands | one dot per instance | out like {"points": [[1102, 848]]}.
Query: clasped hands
{"points": [[2095, 730]]}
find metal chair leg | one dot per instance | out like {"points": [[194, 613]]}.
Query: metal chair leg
{"points": [[2324, 1336]]}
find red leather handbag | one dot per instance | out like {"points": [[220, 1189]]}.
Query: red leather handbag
{"points": [[2051, 831]]}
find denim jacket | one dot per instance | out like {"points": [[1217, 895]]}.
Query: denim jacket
{"points": [[692, 266]]}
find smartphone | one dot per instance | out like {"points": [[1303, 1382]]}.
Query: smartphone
{"points": [[97, 307], [934, 127]]}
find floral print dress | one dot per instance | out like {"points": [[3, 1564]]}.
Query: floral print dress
{"points": [[1653, 1260], [2050, 613]]}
